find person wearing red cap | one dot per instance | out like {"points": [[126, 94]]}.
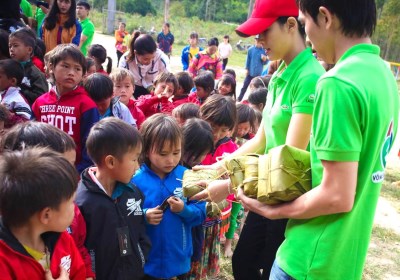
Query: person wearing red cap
{"points": [[286, 120]]}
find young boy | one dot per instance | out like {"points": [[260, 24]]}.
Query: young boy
{"points": [[111, 205], [22, 44], [67, 105], [34, 243], [11, 74], [204, 83], [100, 89], [190, 50], [185, 85], [124, 86]]}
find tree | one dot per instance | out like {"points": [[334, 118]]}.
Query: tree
{"points": [[166, 11]]}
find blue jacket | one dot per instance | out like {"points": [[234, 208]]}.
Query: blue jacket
{"points": [[254, 62], [172, 238], [185, 57]]}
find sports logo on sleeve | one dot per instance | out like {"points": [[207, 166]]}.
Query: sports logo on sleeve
{"points": [[378, 176], [65, 262], [134, 207]]}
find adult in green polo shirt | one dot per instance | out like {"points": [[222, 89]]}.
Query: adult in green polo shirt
{"points": [[354, 124], [286, 120], [82, 12]]}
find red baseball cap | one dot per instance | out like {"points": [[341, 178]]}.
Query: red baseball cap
{"points": [[265, 13]]}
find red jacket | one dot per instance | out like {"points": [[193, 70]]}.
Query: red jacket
{"points": [[151, 104], [223, 146], [137, 114], [180, 100], [16, 263]]}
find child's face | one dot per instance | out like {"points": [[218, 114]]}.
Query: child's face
{"points": [[164, 89], [224, 89], [103, 105], [124, 89], [127, 166], [61, 218], [201, 93], [219, 132], [67, 74], [64, 6], [243, 129], [193, 42], [18, 50], [6, 82], [166, 160]]}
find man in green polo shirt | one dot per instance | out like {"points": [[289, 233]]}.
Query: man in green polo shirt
{"points": [[354, 124], [82, 12]]}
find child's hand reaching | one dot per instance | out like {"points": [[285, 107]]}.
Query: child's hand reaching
{"points": [[154, 216], [175, 204]]}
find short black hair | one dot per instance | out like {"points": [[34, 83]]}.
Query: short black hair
{"points": [[26, 36], [4, 50], [111, 136], [258, 96], [228, 79], [357, 17], [12, 69], [98, 86], [64, 51], [83, 4], [219, 110], [33, 134], [213, 42], [185, 81], [34, 178], [300, 27], [166, 77], [205, 79], [186, 111]]}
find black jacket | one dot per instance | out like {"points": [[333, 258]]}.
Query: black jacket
{"points": [[105, 217]]}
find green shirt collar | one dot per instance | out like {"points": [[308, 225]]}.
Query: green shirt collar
{"points": [[360, 48], [296, 63]]}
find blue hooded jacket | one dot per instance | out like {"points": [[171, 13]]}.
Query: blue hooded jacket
{"points": [[172, 238]]}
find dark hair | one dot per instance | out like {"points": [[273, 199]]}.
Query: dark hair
{"points": [[258, 96], [300, 27], [89, 63], [26, 36], [166, 24], [258, 117], [32, 134], [156, 131], [357, 17], [185, 81], [166, 77], [260, 81], [219, 110], [194, 35], [98, 86], [83, 4], [99, 54], [213, 42], [227, 37], [198, 137], [40, 49], [64, 51], [4, 50], [142, 44], [4, 113], [12, 69], [111, 136], [51, 19], [246, 114], [205, 80], [228, 79], [186, 111], [35, 178], [119, 74], [231, 72]]}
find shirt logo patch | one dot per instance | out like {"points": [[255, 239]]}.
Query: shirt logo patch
{"points": [[311, 98], [285, 107], [26, 81], [378, 176], [134, 207], [65, 262]]}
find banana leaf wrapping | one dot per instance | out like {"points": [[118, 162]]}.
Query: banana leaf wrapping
{"points": [[235, 168], [213, 209], [284, 175], [191, 178], [250, 181]]}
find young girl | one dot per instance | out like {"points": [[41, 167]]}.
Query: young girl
{"points": [[245, 123], [186, 111], [258, 98], [207, 60], [227, 86], [225, 51], [60, 26], [120, 34], [90, 66], [204, 84], [99, 54], [160, 101], [124, 85], [159, 178], [259, 82], [22, 44]]}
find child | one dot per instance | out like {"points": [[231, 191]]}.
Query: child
{"points": [[90, 66], [258, 98], [246, 119], [160, 179], [160, 101], [207, 60], [21, 45], [204, 84], [99, 54], [67, 105], [259, 82], [124, 86], [11, 75], [111, 205], [100, 89], [34, 134], [190, 50], [186, 111], [34, 242], [185, 85], [61, 26], [227, 86]]}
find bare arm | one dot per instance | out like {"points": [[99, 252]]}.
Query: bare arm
{"points": [[83, 39]]}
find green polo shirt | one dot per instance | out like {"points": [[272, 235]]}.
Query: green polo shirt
{"points": [[355, 120], [88, 31], [39, 17], [290, 91], [26, 8]]}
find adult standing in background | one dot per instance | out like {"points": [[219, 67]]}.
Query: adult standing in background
{"points": [[120, 34], [255, 61], [165, 40], [82, 12], [225, 51]]}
